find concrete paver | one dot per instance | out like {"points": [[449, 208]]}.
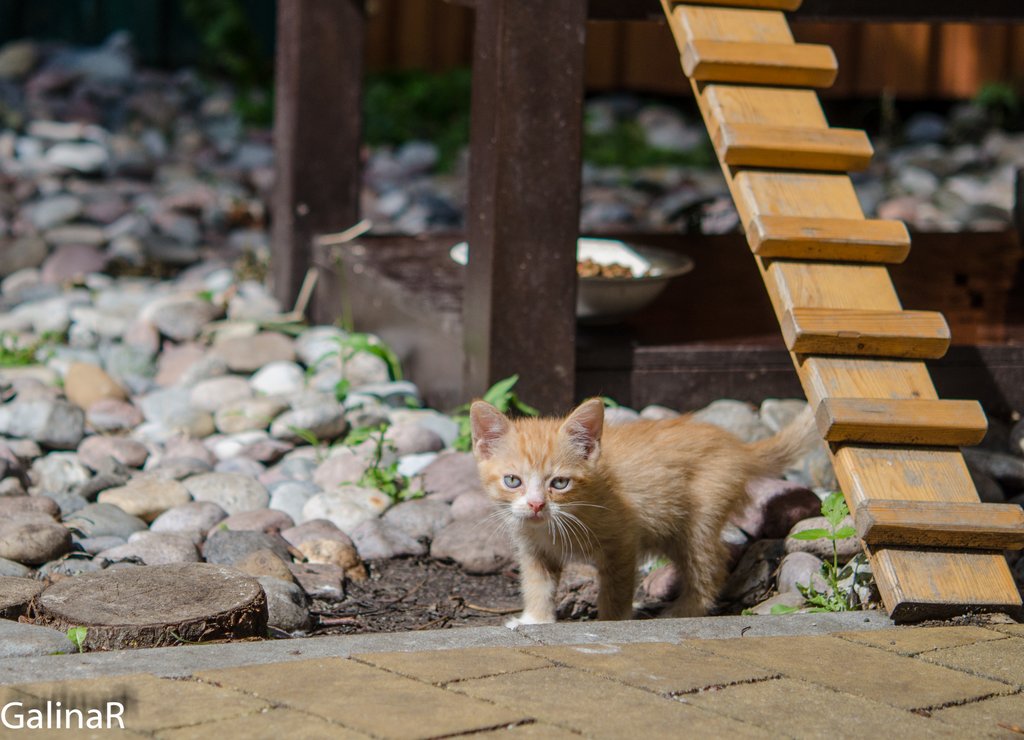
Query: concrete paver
{"points": [[273, 724], [366, 699], [150, 703], [464, 664], [788, 707], [665, 669], [599, 707], [860, 670], [915, 640], [996, 716], [1002, 660]]}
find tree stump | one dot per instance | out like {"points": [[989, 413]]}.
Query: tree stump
{"points": [[155, 606], [16, 594]]}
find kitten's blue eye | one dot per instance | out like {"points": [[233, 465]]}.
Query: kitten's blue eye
{"points": [[559, 484], [512, 481]]}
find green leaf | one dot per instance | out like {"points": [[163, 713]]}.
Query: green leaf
{"points": [[845, 533], [522, 408], [77, 636], [833, 508], [812, 534], [783, 609], [498, 394], [609, 402]]}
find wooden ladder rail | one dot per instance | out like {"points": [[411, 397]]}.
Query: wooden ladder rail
{"points": [[857, 353]]}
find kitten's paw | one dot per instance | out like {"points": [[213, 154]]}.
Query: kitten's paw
{"points": [[522, 619]]}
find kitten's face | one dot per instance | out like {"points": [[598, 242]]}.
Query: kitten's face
{"points": [[538, 468]]}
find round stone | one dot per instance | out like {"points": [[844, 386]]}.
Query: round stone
{"points": [[110, 415], [102, 520], [249, 354], [346, 507], [213, 394], [85, 384], [233, 492], [249, 415], [194, 517], [33, 541], [147, 498], [420, 518], [279, 378], [97, 451], [154, 548]]}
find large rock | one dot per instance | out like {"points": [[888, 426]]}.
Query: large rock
{"points": [[33, 541], [376, 539], [325, 420], [287, 605], [822, 548], [248, 415], [752, 580], [477, 547], [800, 569], [232, 492], [97, 452], [28, 640], [213, 394], [259, 520], [154, 548], [420, 518], [736, 417], [85, 384], [104, 520], [346, 507], [193, 518], [775, 506], [58, 425], [147, 498], [450, 475], [180, 318], [1007, 469], [226, 547], [58, 473], [249, 354]]}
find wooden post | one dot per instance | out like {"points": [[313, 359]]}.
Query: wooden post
{"points": [[317, 132], [523, 217]]}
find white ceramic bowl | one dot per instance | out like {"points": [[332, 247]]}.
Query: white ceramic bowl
{"points": [[602, 298]]}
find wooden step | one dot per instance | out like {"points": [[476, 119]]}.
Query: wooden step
{"points": [[787, 5], [792, 147], [833, 239], [905, 421], [847, 331], [798, 65], [976, 526]]}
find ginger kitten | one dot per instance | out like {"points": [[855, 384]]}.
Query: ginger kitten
{"points": [[569, 489]]}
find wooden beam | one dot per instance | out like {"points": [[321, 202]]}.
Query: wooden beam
{"points": [[976, 526], [904, 421], [885, 11], [792, 147], [523, 215], [848, 331], [802, 65], [317, 133], [835, 239]]}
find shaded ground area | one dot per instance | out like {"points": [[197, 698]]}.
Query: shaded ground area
{"points": [[419, 593]]}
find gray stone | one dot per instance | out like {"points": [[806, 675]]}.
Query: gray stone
{"points": [[241, 466], [248, 415], [344, 466], [409, 438], [33, 541], [800, 569], [232, 492], [179, 468], [59, 209], [420, 518], [846, 548], [101, 520], [58, 472], [785, 601], [655, 412], [321, 581], [478, 547], [315, 530], [14, 570], [989, 490], [618, 415], [249, 354], [98, 451], [21, 254], [19, 640], [736, 417], [287, 605], [180, 318], [154, 548], [283, 378], [752, 580], [326, 421], [81, 156], [376, 539], [779, 413], [213, 394], [94, 545], [259, 520], [55, 424], [347, 507], [291, 496], [265, 563], [72, 263], [194, 517], [225, 547], [1007, 469], [452, 474], [471, 506], [662, 584]]}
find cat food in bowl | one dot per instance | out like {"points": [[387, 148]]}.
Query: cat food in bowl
{"points": [[615, 278]]}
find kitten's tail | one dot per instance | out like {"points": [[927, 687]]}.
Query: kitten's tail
{"points": [[777, 453]]}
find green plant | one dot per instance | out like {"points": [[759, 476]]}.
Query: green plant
{"points": [[15, 353], [499, 395], [385, 478], [403, 106], [834, 598], [353, 344], [232, 49], [626, 146], [77, 636], [309, 437], [1001, 101]]}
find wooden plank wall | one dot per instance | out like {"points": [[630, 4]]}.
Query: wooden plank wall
{"points": [[920, 61]]}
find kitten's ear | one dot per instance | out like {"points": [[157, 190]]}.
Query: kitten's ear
{"points": [[489, 427], [584, 427]]}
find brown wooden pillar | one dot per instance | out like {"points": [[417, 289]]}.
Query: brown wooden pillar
{"points": [[523, 217], [317, 131]]}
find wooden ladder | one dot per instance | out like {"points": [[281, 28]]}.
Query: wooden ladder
{"points": [[935, 549]]}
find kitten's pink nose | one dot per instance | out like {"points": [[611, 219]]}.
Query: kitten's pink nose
{"points": [[535, 506]]}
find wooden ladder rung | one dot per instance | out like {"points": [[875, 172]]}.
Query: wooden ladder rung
{"points": [[792, 147], [848, 331], [787, 5], [838, 239], [910, 421], [799, 65], [977, 526]]}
